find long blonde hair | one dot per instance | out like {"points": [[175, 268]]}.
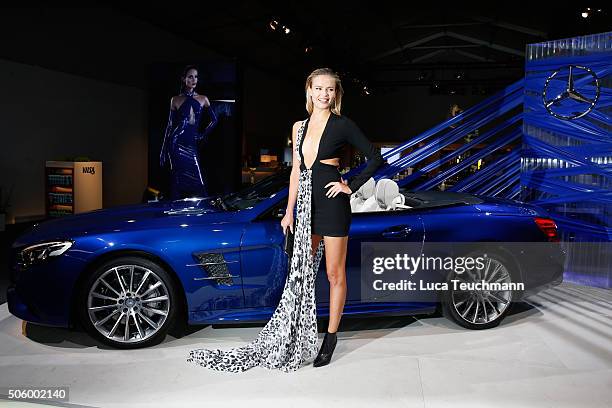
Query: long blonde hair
{"points": [[337, 105]]}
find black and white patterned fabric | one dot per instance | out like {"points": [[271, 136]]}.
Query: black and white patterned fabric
{"points": [[290, 337]]}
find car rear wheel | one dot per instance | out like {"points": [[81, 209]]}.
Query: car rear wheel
{"points": [[128, 302], [479, 309]]}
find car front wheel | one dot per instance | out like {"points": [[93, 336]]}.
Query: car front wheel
{"points": [[128, 302]]}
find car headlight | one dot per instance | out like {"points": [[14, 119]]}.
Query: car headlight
{"points": [[41, 252]]}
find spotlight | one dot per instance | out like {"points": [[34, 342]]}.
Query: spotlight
{"points": [[436, 88], [273, 25], [586, 13], [366, 90], [422, 76], [308, 49], [286, 29], [459, 75]]}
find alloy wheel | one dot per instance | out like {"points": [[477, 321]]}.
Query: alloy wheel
{"points": [[483, 306], [128, 303]]}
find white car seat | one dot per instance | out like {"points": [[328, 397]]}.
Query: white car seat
{"points": [[398, 203], [376, 202], [386, 191], [386, 198], [359, 197], [368, 205]]}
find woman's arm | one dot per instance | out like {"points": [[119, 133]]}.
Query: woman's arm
{"points": [[164, 153], [355, 136], [295, 171], [206, 108]]}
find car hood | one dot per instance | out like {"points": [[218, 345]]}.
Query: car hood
{"points": [[125, 218]]}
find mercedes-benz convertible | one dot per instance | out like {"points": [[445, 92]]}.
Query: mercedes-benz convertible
{"points": [[129, 274]]}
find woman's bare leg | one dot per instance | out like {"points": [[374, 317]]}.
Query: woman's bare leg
{"points": [[335, 263]]}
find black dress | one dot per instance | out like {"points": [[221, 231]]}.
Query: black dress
{"points": [[331, 216]]}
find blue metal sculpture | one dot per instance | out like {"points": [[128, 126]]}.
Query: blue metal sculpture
{"points": [[567, 137], [567, 155], [561, 112], [501, 116]]}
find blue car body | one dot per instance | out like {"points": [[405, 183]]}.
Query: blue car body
{"points": [[176, 234]]}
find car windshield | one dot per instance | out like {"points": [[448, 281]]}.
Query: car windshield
{"points": [[264, 188]]}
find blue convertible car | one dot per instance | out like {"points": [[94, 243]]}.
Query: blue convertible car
{"points": [[129, 274]]}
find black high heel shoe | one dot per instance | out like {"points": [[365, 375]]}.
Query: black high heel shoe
{"points": [[327, 349]]}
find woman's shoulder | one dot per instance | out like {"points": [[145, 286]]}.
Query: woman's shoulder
{"points": [[299, 123], [176, 101], [343, 120], [202, 99]]}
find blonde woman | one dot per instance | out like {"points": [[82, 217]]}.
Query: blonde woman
{"points": [[320, 199]]}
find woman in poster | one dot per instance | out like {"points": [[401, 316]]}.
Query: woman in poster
{"points": [[191, 120]]}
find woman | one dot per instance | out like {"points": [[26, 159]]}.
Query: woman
{"points": [[188, 111], [323, 217]]}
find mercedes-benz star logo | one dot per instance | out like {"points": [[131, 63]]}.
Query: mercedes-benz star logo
{"points": [[584, 103]]}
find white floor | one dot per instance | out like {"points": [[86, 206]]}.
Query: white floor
{"points": [[557, 353]]}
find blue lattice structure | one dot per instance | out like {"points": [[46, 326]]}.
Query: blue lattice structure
{"points": [[534, 142], [477, 151], [566, 164]]}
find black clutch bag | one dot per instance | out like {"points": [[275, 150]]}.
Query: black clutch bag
{"points": [[288, 243]]}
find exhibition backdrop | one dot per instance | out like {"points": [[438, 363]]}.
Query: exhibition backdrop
{"points": [[567, 148]]}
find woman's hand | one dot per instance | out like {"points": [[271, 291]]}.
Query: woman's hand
{"points": [[287, 221], [337, 187]]}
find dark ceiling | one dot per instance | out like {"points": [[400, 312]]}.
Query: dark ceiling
{"points": [[378, 44]]}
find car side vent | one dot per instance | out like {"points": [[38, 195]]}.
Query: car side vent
{"points": [[215, 268]]}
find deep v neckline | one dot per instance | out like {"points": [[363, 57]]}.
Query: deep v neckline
{"points": [[187, 97], [320, 140]]}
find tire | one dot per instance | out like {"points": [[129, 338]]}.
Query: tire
{"points": [[131, 289], [480, 309]]}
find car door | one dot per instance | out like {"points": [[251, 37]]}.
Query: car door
{"points": [[380, 226], [263, 260]]}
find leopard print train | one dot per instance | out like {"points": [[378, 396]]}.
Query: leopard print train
{"points": [[289, 338]]}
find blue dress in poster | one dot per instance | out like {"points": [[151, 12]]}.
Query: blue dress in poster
{"points": [[184, 132]]}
